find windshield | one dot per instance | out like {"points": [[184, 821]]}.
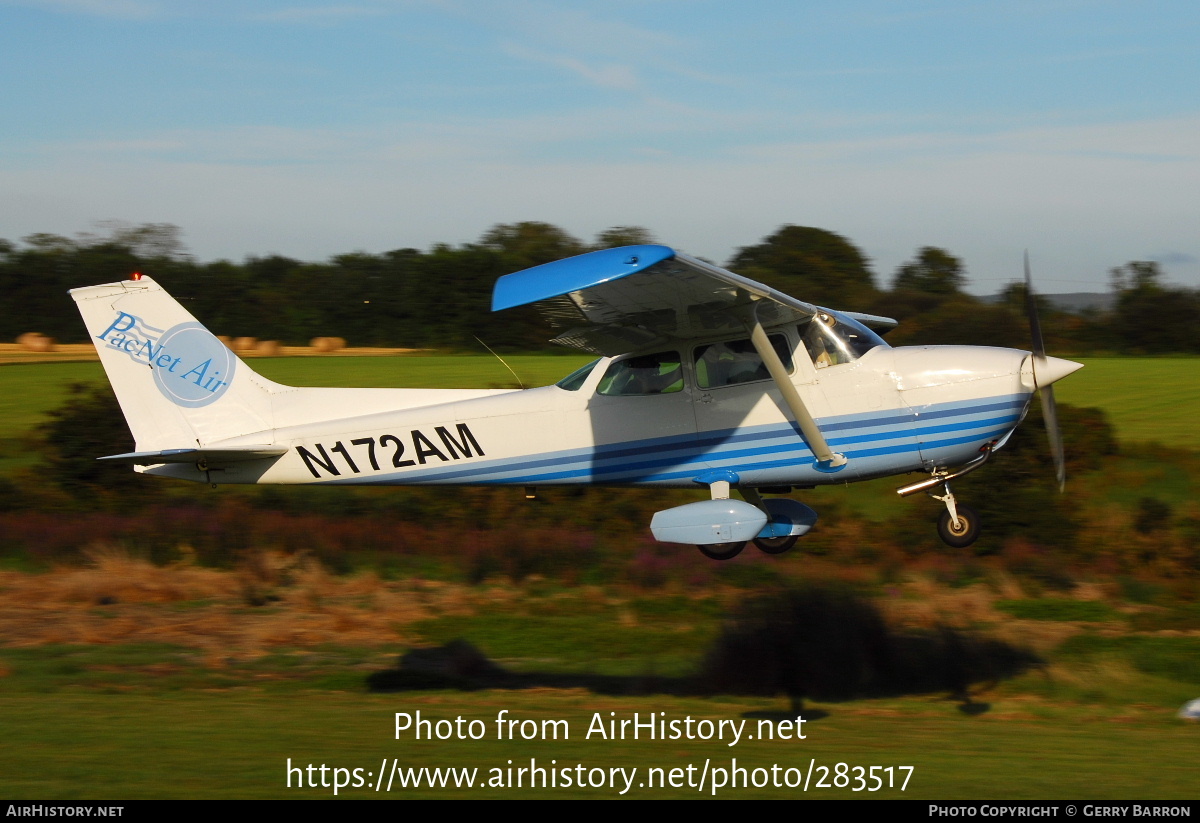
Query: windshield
{"points": [[575, 380], [833, 339]]}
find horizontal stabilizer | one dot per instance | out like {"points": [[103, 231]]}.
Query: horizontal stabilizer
{"points": [[210, 456]]}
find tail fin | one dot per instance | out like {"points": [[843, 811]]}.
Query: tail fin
{"points": [[178, 385]]}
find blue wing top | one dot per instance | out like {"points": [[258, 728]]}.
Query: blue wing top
{"points": [[617, 300]]}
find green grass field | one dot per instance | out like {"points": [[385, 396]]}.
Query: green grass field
{"points": [[237, 744], [1147, 399], [157, 721]]}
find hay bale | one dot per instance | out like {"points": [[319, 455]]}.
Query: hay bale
{"points": [[244, 343], [327, 344], [268, 348], [36, 342]]}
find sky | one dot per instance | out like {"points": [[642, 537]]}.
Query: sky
{"points": [[1070, 128]]}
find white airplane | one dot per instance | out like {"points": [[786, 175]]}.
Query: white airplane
{"points": [[704, 379]]}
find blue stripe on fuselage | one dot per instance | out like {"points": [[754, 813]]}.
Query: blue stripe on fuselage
{"points": [[663, 459]]}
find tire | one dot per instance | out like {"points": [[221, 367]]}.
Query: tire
{"points": [[776, 545], [722, 551], [967, 531]]}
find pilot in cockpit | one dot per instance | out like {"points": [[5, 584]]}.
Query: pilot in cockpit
{"points": [[818, 339]]}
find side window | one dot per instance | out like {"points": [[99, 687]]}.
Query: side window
{"points": [[736, 361], [660, 373]]}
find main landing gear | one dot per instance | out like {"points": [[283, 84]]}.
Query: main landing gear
{"points": [[766, 545], [775, 545], [721, 527], [777, 515], [722, 551]]}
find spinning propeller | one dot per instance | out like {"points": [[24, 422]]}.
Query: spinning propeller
{"points": [[1046, 370]]}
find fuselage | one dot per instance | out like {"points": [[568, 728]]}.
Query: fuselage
{"points": [[888, 410]]}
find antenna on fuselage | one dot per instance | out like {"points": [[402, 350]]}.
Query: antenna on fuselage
{"points": [[501, 359]]}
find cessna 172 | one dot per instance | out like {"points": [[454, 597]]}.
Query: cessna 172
{"points": [[703, 378]]}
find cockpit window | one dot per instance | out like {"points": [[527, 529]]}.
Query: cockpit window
{"points": [[835, 339], [736, 361], [575, 380], [660, 373]]}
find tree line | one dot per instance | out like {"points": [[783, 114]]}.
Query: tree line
{"points": [[440, 298]]}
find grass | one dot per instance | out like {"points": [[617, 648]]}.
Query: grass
{"points": [[235, 741], [139, 746], [1089, 611], [1176, 658], [613, 636], [31, 390], [1147, 399], [129, 716]]}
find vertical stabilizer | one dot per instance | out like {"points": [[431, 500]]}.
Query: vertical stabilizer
{"points": [[178, 385]]}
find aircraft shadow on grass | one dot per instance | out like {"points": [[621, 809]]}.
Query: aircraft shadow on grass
{"points": [[815, 644]]}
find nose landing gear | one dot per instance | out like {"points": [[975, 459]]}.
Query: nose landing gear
{"points": [[959, 525]]}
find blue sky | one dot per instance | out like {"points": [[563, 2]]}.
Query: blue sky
{"points": [[310, 129]]}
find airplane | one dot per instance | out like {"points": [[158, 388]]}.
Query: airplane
{"points": [[703, 378]]}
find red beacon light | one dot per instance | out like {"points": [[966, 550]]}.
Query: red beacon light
{"points": [[137, 275]]}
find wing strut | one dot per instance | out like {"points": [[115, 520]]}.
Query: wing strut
{"points": [[808, 427]]}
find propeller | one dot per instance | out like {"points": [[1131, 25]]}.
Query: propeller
{"points": [[1045, 371]]}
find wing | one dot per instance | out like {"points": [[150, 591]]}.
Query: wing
{"points": [[617, 300]]}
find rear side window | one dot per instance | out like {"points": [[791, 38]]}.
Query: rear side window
{"points": [[736, 361]]}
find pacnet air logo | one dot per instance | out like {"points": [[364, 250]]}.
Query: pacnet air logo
{"points": [[192, 368]]}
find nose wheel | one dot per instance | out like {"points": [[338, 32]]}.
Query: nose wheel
{"points": [[959, 532], [959, 525]]}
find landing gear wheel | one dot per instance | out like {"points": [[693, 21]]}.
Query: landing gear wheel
{"points": [[967, 531], [776, 545], [722, 551]]}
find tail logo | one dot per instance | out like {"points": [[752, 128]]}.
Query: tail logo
{"points": [[192, 368]]}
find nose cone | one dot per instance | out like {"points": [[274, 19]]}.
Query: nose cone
{"points": [[1042, 371]]}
